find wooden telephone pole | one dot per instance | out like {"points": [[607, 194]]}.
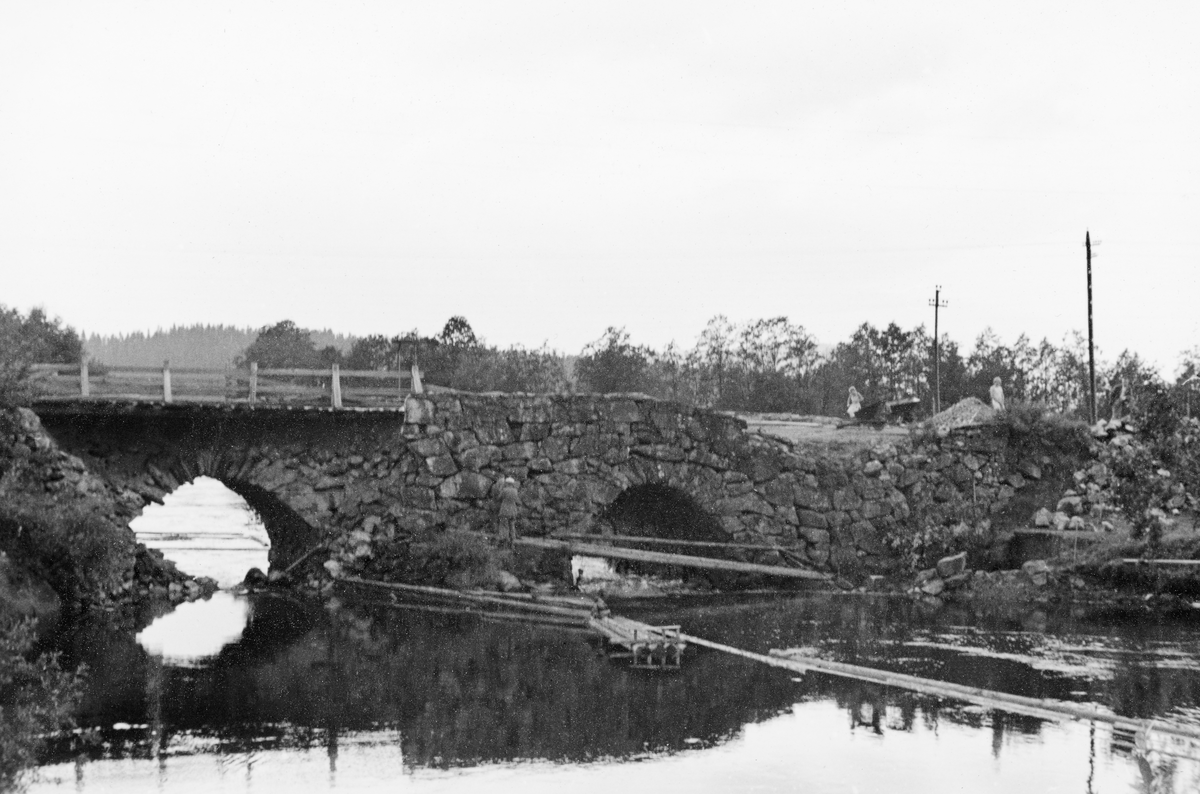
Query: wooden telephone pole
{"points": [[1087, 244], [937, 303]]}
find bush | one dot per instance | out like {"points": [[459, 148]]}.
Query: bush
{"points": [[454, 558], [36, 698], [83, 557], [1033, 426]]}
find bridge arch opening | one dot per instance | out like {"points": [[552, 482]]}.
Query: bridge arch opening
{"points": [[658, 510], [207, 529], [662, 511]]}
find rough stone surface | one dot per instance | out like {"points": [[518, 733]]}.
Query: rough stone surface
{"points": [[321, 475], [952, 565]]}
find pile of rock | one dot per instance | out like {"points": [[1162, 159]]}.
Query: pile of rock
{"points": [[964, 413], [154, 576], [950, 573]]}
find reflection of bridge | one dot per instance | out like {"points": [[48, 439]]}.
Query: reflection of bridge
{"points": [[333, 386]]}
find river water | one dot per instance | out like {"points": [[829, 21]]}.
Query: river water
{"points": [[272, 694]]}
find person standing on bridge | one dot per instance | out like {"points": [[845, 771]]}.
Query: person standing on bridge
{"points": [[853, 402], [997, 395], [509, 500]]}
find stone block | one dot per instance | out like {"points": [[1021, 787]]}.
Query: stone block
{"points": [[933, 587], [814, 535], [535, 431], [846, 499], [870, 510], [1043, 518], [872, 468], [441, 466], [664, 452], [810, 498], [478, 458], [952, 565], [418, 411], [523, 450], [1015, 480], [494, 433], [621, 412], [779, 492], [811, 518], [426, 448], [572, 466], [1030, 470]]}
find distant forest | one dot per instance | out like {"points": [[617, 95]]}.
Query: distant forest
{"points": [[212, 346]]}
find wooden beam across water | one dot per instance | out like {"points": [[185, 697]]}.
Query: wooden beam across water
{"points": [[667, 558], [1042, 708]]}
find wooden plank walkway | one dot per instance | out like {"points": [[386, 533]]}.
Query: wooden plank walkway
{"points": [[666, 558], [651, 647]]}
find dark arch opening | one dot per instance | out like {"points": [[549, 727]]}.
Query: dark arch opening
{"points": [[662, 511]]}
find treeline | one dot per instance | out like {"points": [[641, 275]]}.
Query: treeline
{"points": [[765, 365], [202, 346], [774, 365]]}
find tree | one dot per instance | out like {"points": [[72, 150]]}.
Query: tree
{"points": [[283, 346], [374, 352], [31, 340], [514, 370], [612, 364], [457, 333]]}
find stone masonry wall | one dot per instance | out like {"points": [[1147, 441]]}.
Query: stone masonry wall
{"points": [[366, 480]]}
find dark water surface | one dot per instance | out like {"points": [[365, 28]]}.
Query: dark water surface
{"points": [[274, 695]]}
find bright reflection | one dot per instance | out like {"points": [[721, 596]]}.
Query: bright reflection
{"points": [[197, 630], [207, 530], [811, 749]]}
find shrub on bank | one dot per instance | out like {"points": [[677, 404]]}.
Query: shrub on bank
{"points": [[82, 556], [1033, 426], [36, 698], [452, 558]]}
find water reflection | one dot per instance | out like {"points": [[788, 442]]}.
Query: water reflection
{"points": [[357, 697], [196, 631]]}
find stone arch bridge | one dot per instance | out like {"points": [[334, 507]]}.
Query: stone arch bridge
{"points": [[379, 474]]}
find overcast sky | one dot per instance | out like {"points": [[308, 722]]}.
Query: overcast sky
{"points": [[550, 169]]}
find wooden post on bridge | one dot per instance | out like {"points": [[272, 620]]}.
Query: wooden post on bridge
{"points": [[253, 381], [167, 380], [85, 389], [336, 387], [417, 388]]}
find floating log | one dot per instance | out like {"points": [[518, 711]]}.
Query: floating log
{"points": [[1043, 708], [1073, 534], [666, 558], [1140, 561]]}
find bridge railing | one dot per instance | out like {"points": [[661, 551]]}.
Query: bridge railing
{"points": [[334, 386]]}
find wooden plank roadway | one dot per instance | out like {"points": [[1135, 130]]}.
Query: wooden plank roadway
{"points": [[666, 558]]}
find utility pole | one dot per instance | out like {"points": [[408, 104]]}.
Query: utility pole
{"points": [[937, 303], [1087, 244]]}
